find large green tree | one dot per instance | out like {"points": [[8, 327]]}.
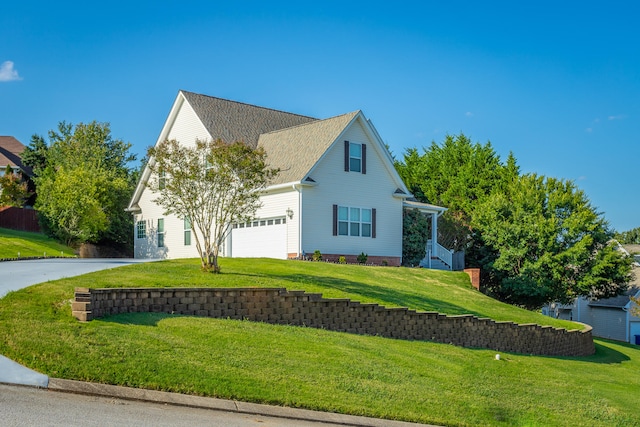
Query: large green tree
{"points": [[550, 244], [213, 184], [83, 181], [536, 239], [455, 174]]}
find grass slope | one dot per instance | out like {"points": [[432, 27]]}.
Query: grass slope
{"points": [[304, 367], [29, 244]]}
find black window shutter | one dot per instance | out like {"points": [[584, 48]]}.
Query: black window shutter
{"points": [[335, 220], [364, 158], [346, 156], [373, 223]]}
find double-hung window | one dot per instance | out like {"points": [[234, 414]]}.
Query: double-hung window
{"points": [[351, 221], [355, 157], [160, 232], [141, 229]]}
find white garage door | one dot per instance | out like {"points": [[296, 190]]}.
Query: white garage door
{"points": [[260, 238]]}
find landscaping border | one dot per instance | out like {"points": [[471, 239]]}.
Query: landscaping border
{"points": [[299, 308]]}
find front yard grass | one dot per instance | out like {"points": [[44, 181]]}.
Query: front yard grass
{"points": [[24, 244], [316, 369]]}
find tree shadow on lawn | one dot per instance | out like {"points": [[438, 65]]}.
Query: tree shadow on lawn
{"points": [[367, 293], [139, 319], [604, 354]]}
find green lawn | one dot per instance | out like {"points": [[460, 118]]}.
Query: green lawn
{"points": [[23, 244], [317, 369]]}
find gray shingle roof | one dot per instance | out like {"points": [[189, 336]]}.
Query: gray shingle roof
{"points": [[621, 300], [296, 150], [615, 302], [234, 121]]}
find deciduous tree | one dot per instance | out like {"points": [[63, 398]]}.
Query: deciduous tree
{"points": [[212, 183], [537, 239], [83, 180], [549, 244]]}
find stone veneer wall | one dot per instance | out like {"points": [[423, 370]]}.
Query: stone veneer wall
{"points": [[279, 306]]}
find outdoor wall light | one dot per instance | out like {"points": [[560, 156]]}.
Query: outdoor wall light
{"points": [[289, 213]]}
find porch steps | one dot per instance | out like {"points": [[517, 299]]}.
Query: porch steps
{"points": [[436, 264]]}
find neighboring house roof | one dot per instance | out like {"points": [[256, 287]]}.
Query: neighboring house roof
{"points": [[632, 249], [621, 301], [297, 149], [234, 121], [10, 151]]}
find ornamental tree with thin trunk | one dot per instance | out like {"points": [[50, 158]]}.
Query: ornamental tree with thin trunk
{"points": [[213, 184]]}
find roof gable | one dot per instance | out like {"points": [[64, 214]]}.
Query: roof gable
{"points": [[296, 150], [375, 147]]}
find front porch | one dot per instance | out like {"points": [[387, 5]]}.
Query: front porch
{"points": [[437, 256]]}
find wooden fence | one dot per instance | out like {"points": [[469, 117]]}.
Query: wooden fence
{"points": [[19, 219]]}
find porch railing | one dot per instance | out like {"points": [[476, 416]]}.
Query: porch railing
{"points": [[440, 252]]}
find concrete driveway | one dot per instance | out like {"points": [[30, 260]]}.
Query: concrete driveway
{"points": [[20, 274]]}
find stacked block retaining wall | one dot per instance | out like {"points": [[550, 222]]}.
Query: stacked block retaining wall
{"points": [[279, 306]]}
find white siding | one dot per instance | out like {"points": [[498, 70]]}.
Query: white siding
{"points": [[371, 190], [185, 128]]}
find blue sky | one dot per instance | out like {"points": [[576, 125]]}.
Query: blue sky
{"points": [[556, 83]]}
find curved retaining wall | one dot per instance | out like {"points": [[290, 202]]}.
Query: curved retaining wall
{"points": [[279, 306]]}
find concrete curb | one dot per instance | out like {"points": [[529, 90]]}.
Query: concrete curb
{"points": [[161, 397]]}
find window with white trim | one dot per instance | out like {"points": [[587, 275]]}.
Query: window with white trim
{"points": [[355, 157], [354, 221], [160, 232], [141, 229], [187, 231]]}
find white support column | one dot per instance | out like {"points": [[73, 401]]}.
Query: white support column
{"points": [[434, 230]]}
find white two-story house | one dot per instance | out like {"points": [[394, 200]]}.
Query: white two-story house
{"points": [[337, 191]]}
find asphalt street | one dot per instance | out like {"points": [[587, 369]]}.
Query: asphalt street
{"points": [[27, 406]]}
